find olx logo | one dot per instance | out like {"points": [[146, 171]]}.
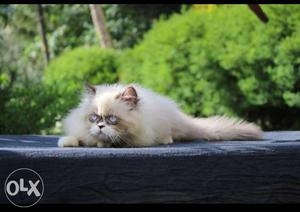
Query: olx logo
{"points": [[24, 187]]}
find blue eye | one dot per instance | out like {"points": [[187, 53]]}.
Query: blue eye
{"points": [[94, 118], [112, 119]]}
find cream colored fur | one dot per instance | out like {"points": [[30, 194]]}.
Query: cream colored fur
{"points": [[155, 120]]}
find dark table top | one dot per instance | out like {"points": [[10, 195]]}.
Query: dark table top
{"points": [[47, 145], [265, 171]]}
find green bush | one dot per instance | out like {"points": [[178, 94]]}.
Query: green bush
{"points": [[67, 74], [127, 23], [27, 110], [225, 62]]}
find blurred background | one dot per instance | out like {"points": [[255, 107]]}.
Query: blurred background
{"points": [[211, 59]]}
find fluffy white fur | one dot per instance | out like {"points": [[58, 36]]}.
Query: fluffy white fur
{"points": [[152, 119]]}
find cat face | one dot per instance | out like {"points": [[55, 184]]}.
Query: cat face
{"points": [[112, 116]]}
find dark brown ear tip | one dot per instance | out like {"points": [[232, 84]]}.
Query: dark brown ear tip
{"points": [[90, 88]]}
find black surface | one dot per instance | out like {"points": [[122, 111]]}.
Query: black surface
{"points": [[266, 171]]}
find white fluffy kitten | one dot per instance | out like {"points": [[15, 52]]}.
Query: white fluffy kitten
{"points": [[118, 115]]}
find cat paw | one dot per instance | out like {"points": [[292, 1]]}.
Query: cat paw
{"points": [[102, 145], [167, 140], [68, 141]]}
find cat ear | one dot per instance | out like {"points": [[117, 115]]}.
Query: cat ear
{"points": [[90, 89], [129, 95]]}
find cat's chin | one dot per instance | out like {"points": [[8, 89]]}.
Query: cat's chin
{"points": [[109, 142], [102, 137]]}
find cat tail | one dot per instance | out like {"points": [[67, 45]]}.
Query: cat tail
{"points": [[216, 128]]}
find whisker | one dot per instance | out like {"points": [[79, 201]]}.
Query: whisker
{"points": [[126, 141]]}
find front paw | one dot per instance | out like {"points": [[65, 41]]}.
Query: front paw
{"points": [[68, 141], [167, 140], [101, 144]]}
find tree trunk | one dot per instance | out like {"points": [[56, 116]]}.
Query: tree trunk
{"points": [[258, 12], [42, 29], [99, 23]]}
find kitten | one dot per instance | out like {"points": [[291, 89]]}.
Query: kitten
{"points": [[118, 115]]}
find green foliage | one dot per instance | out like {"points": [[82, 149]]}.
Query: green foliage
{"points": [[127, 23], [91, 64], [5, 11], [22, 38], [27, 110], [21, 55], [225, 62], [69, 26]]}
